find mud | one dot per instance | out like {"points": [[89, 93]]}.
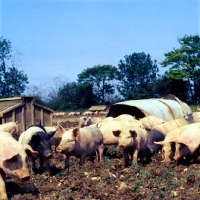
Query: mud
{"points": [[108, 180]]}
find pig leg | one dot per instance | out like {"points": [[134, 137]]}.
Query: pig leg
{"points": [[3, 194], [82, 159], [100, 152], [47, 165], [33, 165], [134, 156], [41, 163], [141, 156], [126, 158], [67, 162]]}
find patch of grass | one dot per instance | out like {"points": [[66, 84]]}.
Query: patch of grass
{"points": [[194, 106], [137, 185], [107, 161], [145, 174]]}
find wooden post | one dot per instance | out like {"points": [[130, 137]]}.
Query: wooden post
{"points": [[23, 120], [42, 116]]}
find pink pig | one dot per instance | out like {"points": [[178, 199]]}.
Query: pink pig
{"points": [[188, 142], [81, 142], [87, 121], [150, 122], [133, 141], [169, 143], [13, 160], [12, 128]]}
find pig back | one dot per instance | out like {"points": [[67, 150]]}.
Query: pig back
{"points": [[107, 129], [92, 133], [26, 135], [171, 125], [191, 137]]}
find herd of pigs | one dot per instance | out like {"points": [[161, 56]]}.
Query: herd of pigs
{"points": [[178, 139]]}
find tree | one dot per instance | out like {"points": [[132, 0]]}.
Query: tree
{"points": [[12, 81], [184, 64], [136, 75], [73, 96], [164, 85], [101, 77]]}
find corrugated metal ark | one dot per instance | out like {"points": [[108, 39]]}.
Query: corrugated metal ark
{"points": [[174, 109], [162, 108]]}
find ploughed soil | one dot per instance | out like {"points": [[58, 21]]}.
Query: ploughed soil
{"points": [[110, 179]]}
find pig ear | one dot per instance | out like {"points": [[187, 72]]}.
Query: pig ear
{"points": [[116, 133], [35, 139], [99, 125], [29, 151], [60, 130], [133, 133], [8, 151], [159, 142], [51, 133], [76, 133]]}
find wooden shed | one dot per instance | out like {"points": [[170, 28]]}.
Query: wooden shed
{"points": [[25, 111], [98, 108]]}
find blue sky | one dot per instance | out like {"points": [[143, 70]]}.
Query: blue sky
{"points": [[61, 38]]}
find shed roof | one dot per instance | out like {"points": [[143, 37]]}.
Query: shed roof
{"points": [[162, 108], [98, 108], [8, 104], [4, 108]]}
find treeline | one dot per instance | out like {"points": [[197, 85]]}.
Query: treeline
{"points": [[136, 77]]}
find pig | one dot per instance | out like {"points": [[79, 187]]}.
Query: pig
{"points": [[71, 114], [12, 128], [81, 142], [108, 119], [169, 143], [132, 140], [74, 114], [13, 160], [87, 113], [193, 117], [107, 129], [103, 112], [129, 118], [87, 121], [38, 139], [55, 140], [150, 122], [188, 142], [159, 132]]}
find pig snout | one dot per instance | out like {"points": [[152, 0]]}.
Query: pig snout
{"points": [[121, 146], [176, 157], [48, 154], [59, 149], [26, 178]]}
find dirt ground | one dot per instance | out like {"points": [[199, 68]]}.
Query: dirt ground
{"points": [[109, 180]]}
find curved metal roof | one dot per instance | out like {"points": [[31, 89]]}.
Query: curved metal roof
{"points": [[161, 108]]}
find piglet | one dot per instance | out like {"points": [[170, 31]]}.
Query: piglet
{"points": [[81, 142], [13, 160]]}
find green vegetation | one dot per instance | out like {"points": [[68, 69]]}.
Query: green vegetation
{"points": [[135, 77], [12, 81]]}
